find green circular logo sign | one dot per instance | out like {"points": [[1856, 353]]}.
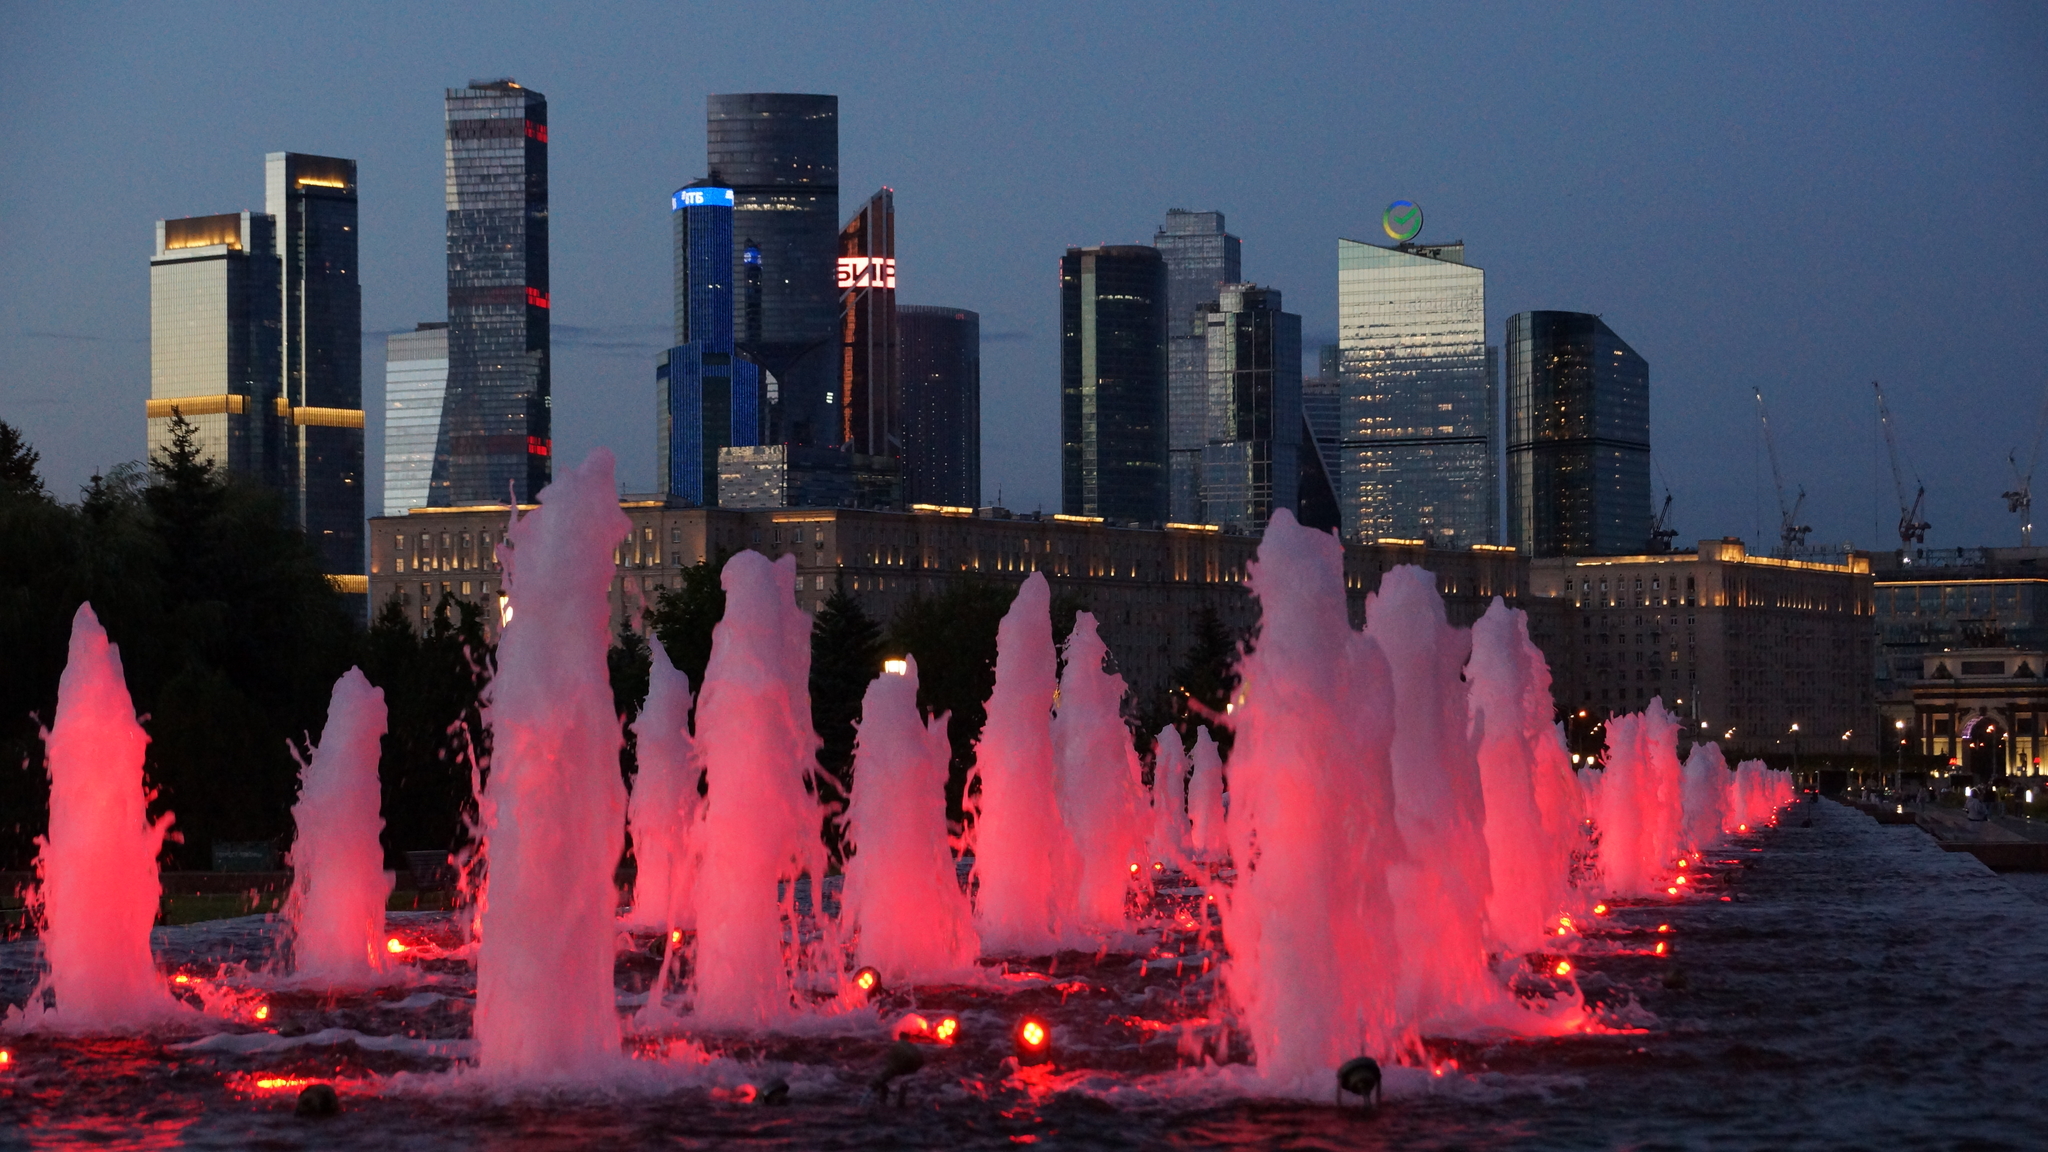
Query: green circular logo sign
{"points": [[1402, 220]]}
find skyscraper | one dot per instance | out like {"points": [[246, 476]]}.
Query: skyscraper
{"points": [[779, 153], [1251, 458], [415, 384], [1200, 258], [706, 397], [496, 438], [1113, 434], [869, 397], [214, 341], [312, 200], [941, 372], [1578, 443], [1420, 424]]}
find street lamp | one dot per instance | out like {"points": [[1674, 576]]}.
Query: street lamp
{"points": [[1795, 751], [1899, 781]]}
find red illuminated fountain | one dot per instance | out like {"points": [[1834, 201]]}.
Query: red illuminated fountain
{"points": [[334, 917]]}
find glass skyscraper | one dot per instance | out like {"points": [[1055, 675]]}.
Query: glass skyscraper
{"points": [[941, 373], [496, 436], [415, 383], [1113, 434], [1578, 444], [214, 342], [779, 153], [869, 397], [1200, 258], [1251, 457], [706, 396], [312, 200], [1419, 413]]}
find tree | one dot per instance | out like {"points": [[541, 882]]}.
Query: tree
{"points": [[846, 653], [436, 682], [18, 465], [1206, 677], [628, 664], [684, 617], [953, 636]]}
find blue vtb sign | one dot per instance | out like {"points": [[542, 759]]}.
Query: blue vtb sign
{"points": [[699, 198]]}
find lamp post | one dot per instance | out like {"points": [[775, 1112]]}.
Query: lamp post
{"points": [[1899, 777], [1795, 751]]}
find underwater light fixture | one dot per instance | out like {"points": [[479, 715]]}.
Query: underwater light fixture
{"points": [[1034, 1042]]}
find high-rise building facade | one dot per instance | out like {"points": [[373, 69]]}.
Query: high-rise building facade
{"points": [[868, 393], [415, 384], [215, 341], [779, 153], [1113, 409], [1420, 421], [1200, 259], [1578, 443], [1251, 457], [496, 430], [707, 397], [941, 374], [312, 200]]}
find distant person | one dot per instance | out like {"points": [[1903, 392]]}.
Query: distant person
{"points": [[1975, 810]]}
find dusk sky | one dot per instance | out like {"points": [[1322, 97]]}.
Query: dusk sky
{"points": [[1801, 198]]}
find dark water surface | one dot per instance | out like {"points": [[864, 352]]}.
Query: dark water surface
{"points": [[1860, 988]]}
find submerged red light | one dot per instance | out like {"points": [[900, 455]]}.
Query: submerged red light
{"points": [[1564, 968], [393, 946], [1034, 1042], [945, 1030]]}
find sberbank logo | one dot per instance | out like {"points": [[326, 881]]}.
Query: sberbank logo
{"points": [[1402, 220]]}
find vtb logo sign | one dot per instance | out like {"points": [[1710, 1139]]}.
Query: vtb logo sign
{"points": [[867, 272], [1402, 220]]}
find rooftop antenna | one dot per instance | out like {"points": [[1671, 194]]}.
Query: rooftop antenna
{"points": [[1791, 533], [1912, 529]]}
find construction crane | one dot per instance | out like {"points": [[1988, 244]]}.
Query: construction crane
{"points": [[2021, 499], [1791, 533], [1661, 532], [1912, 529]]}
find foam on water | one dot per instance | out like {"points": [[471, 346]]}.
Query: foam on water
{"points": [[554, 806], [97, 885], [334, 916]]}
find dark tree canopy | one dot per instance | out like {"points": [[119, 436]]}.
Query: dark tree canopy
{"points": [[683, 618], [435, 682], [953, 636]]}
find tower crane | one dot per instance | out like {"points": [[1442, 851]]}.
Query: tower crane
{"points": [[1791, 533], [1912, 529], [2021, 498]]}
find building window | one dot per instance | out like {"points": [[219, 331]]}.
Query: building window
{"points": [[675, 535]]}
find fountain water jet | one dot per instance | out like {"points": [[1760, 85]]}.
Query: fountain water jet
{"points": [[1640, 803], [1023, 854], [554, 806], [1441, 890], [1169, 797], [664, 810], [1706, 784], [1206, 833], [334, 916], [902, 891], [1534, 807], [760, 825], [97, 886], [1100, 793], [1312, 969]]}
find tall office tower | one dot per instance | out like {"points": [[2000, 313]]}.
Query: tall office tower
{"points": [[1200, 258], [779, 153], [1578, 438], [941, 372], [213, 341], [415, 384], [496, 437], [706, 397], [1113, 435], [312, 199], [1419, 411], [1251, 460], [868, 394]]}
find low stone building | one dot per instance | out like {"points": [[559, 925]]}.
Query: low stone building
{"points": [[1742, 647], [1146, 587]]}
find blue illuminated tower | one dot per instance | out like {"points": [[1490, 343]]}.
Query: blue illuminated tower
{"points": [[707, 398]]}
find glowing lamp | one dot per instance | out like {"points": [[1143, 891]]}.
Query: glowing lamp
{"points": [[675, 936], [6, 1057], [1599, 909], [896, 666], [1660, 947], [1034, 1042], [1742, 828], [263, 1012], [393, 946], [1681, 863], [868, 980], [945, 1030], [1564, 968], [1158, 867], [1134, 869], [1681, 880], [181, 978], [1663, 927], [1671, 891], [1564, 921]]}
